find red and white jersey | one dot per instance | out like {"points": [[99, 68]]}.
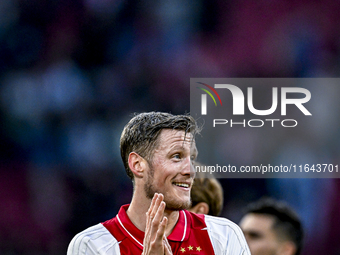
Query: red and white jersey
{"points": [[193, 234]]}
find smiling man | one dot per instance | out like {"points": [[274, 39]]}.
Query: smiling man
{"points": [[157, 150]]}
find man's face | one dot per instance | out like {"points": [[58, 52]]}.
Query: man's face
{"points": [[261, 238], [170, 171]]}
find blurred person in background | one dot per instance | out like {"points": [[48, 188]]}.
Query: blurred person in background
{"points": [[206, 194], [272, 227], [157, 150]]}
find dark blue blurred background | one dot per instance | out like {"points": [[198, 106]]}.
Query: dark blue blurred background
{"points": [[72, 72]]}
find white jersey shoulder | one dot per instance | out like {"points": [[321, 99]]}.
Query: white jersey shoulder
{"points": [[226, 237], [94, 240]]}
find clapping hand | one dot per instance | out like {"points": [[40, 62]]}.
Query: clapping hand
{"points": [[155, 241]]}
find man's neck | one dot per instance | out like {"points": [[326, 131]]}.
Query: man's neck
{"points": [[137, 214]]}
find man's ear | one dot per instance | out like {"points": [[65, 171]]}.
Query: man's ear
{"points": [[200, 208], [137, 164], [288, 248]]}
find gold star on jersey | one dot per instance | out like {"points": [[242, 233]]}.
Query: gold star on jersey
{"points": [[191, 250]]}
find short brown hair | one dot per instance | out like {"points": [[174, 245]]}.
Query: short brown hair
{"points": [[208, 190], [287, 223], [141, 133]]}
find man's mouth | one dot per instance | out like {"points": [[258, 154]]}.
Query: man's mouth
{"points": [[182, 184]]}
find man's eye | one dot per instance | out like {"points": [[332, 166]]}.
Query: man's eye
{"points": [[254, 236], [176, 156]]}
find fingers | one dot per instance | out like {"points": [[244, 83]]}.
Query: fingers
{"points": [[155, 241], [156, 216], [155, 202], [161, 230], [167, 247], [148, 227]]}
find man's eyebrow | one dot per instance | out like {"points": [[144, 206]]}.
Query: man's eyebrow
{"points": [[177, 147], [181, 147], [253, 233]]}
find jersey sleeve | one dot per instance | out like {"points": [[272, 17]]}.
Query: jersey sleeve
{"points": [[94, 240], [226, 237]]}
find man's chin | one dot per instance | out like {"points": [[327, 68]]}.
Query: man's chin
{"points": [[177, 206]]}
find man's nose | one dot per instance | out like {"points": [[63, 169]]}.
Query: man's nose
{"points": [[192, 170], [189, 169]]}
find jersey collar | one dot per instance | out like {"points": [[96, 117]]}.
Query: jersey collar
{"points": [[130, 230], [180, 232]]}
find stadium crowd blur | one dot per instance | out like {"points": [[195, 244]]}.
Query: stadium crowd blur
{"points": [[73, 71]]}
